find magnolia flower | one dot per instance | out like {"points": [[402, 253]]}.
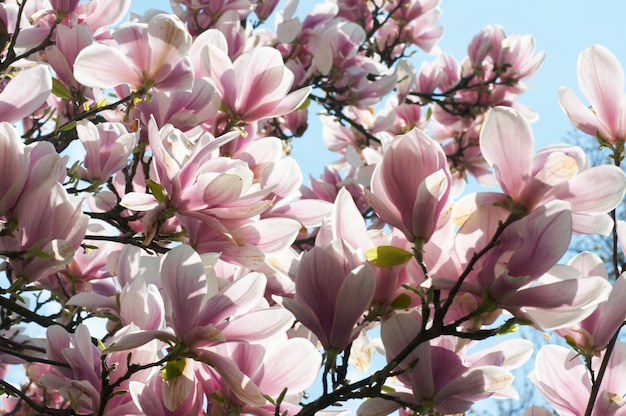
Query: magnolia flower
{"points": [[555, 173], [255, 86], [108, 146], [329, 299], [148, 55], [519, 274], [593, 333], [565, 383], [436, 376], [410, 187], [601, 80]]}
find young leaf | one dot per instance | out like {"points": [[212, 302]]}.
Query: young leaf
{"points": [[388, 256]]}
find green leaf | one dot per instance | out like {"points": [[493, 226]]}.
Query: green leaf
{"points": [[60, 90], [173, 369], [571, 342], [388, 389], [508, 330], [388, 256], [157, 190], [68, 126], [402, 301]]}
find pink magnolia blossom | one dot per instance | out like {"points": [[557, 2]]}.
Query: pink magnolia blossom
{"points": [[199, 315], [186, 287], [37, 189], [290, 364], [555, 173], [358, 80], [182, 109], [519, 274], [176, 397], [57, 234], [331, 295], [255, 239], [601, 80], [108, 146], [410, 187], [80, 383], [593, 334], [255, 86], [62, 55], [201, 15], [565, 383], [442, 379], [415, 22], [200, 185], [148, 55]]}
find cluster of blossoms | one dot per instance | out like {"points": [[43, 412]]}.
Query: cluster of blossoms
{"points": [[145, 179]]}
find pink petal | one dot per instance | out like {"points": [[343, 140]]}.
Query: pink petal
{"points": [[139, 338], [305, 315], [13, 167], [592, 224], [541, 234], [107, 13], [458, 395], [601, 80], [431, 195], [506, 142], [17, 102], [238, 298], [258, 326], [261, 76], [594, 191], [508, 354], [613, 313], [289, 103], [580, 115], [377, 407], [294, 364], [614, 380], [103, 66], [562, 379], [139, 202], [560, 304], [146, 398], [184, 287], [217, 65], [349, 223], [271, 234], [221, 189], [320, 276], [621, 234], [353, 298], [180, 78], [93, 301], [309, 212], [396, 334], [169, 43], [588, 264], [240, 384], [385, 210]]}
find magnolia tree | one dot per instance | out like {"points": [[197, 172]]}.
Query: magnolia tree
{"points": [[145, 180]]}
